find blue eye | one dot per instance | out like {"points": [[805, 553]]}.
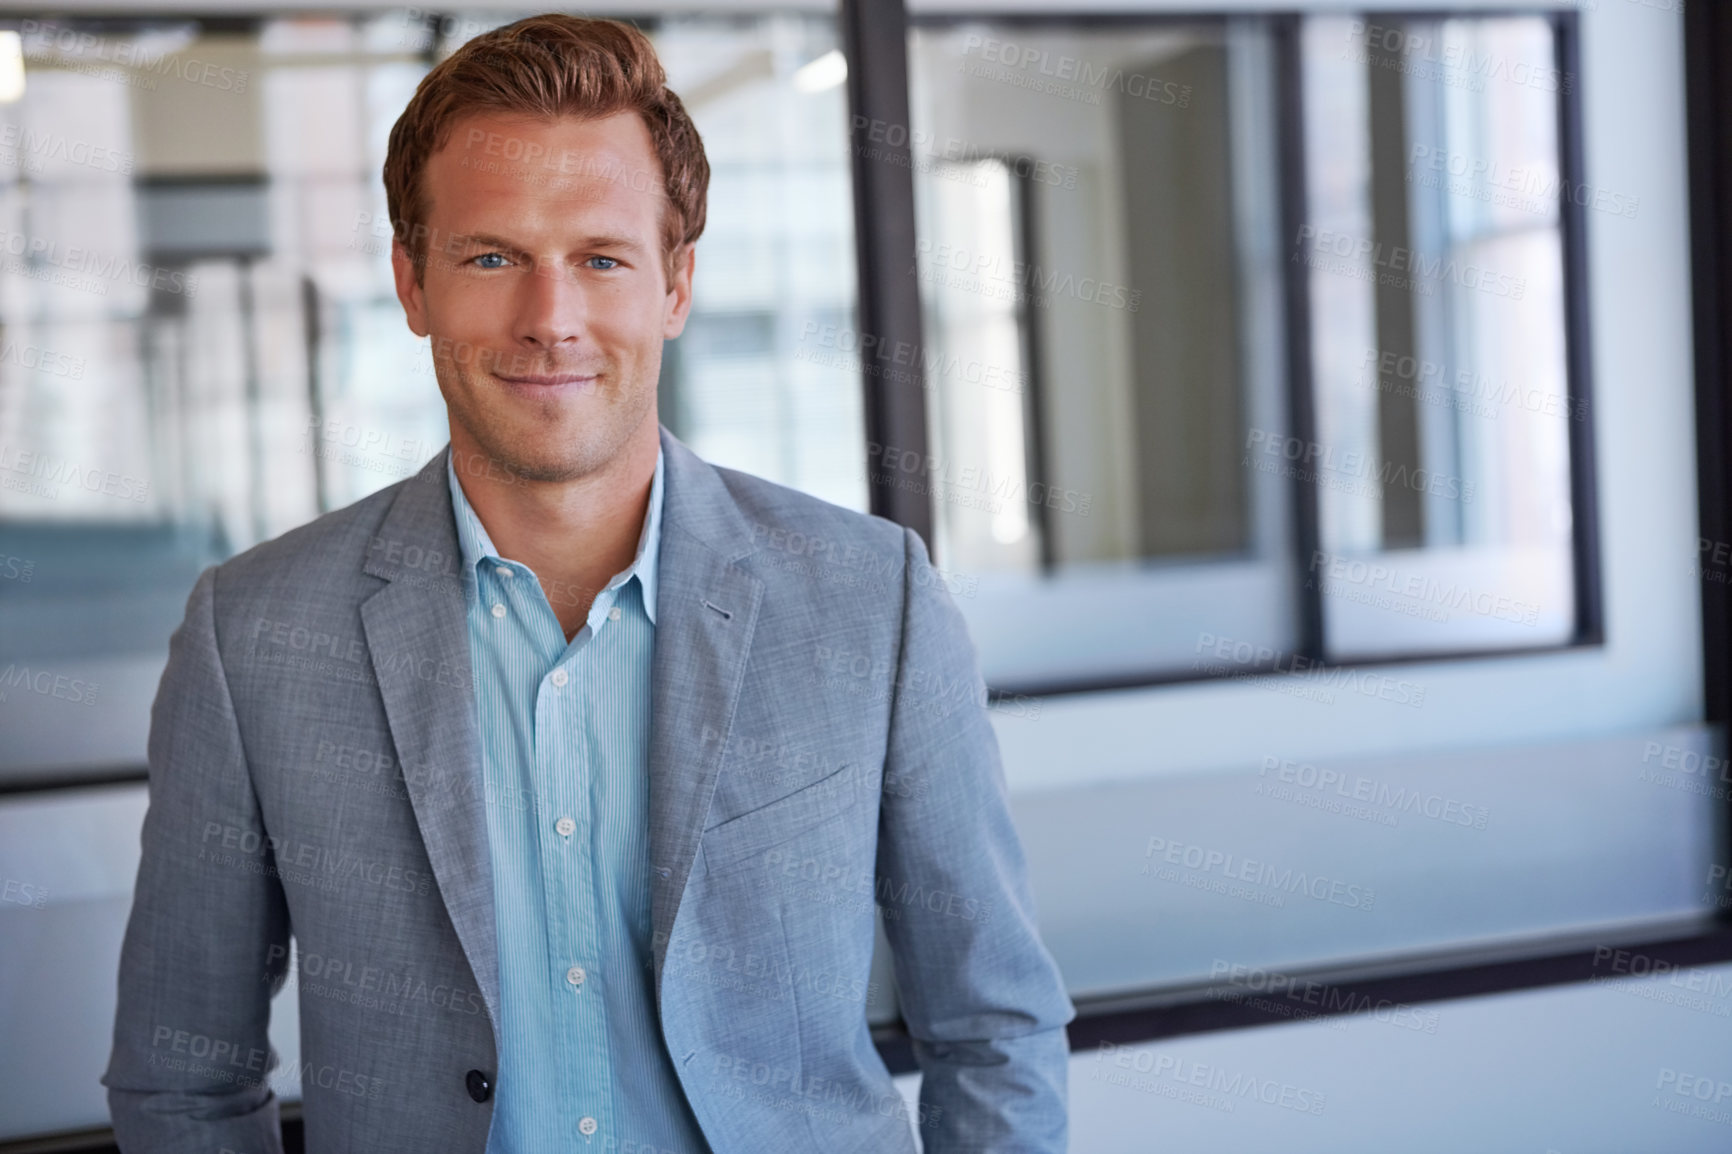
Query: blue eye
{"points": [[611, 263], [491, 256]]}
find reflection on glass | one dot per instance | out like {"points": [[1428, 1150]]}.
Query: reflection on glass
{"points": [[1436, 276], [977, 207], [201, 347], [1097, 257], [762, 380]]}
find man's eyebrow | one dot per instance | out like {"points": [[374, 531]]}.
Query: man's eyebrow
{"points": [[601, 240], [609, 240], [483, 240]]}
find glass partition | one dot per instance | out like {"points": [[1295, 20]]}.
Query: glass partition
{"points": [[201, 348]]}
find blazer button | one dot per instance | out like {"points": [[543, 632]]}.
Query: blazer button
{"points": [[480, 1088]]}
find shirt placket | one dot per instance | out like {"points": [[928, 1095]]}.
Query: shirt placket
{"points": [[565, 768]]}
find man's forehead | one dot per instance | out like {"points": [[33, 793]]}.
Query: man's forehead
{"points": [[600, 156]]}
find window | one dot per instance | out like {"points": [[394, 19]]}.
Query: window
{"points": [[1139, 471], [1440, 369], [201, 347]]}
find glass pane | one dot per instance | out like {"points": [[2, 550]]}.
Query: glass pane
{"points": [[1098, 259], [747, 385], [201, 348], [1437, 299]]}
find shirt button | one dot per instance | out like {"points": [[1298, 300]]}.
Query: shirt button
{"points": [[498, 610], [502, 570], [565, 826], [586, 1127], [575, 976], [560, 677], [613, 614]]}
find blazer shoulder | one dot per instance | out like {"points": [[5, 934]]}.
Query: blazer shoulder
{"points": [[321, 557], [776, 514]]}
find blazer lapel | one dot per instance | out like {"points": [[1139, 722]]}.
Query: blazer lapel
{"points": [[417, 632], [418, 635], [706, 612]]}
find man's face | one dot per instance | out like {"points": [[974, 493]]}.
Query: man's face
{"points": [[544, 289]]}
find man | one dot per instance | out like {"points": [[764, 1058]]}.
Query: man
{"points": [[577, 786]]}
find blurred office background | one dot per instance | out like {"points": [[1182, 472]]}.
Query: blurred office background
{"points": [[1308, 418]]}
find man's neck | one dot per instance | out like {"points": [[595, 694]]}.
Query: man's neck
{"points": [[574, 535]]}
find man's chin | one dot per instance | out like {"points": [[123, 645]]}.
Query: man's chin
{"points": [[545, 458], [543, 392]]}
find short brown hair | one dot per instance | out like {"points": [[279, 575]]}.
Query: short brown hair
{"points": [[549, 66]]}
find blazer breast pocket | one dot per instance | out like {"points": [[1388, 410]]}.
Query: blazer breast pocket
{"points": [[757, 831]]}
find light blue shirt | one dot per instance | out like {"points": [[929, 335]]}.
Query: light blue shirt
{"points": [[565, 734]]}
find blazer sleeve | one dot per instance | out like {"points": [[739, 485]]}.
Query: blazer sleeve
{"points": [[983, 1000], [206, 946]]}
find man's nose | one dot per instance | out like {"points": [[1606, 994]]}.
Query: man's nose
{"points": [[552, 306]]}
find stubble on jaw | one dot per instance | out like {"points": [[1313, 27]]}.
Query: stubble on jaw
{"points": [[535, 457]]}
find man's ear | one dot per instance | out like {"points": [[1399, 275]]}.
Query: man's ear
{"points": [[409, 290], [679, 298]]}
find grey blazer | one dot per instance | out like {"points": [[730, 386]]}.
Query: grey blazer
{"points": [[821, 750]]}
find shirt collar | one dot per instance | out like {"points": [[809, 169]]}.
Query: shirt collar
{"points": [[477, 546]]}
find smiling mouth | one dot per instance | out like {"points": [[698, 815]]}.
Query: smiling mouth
{"points": [[550, 380]]}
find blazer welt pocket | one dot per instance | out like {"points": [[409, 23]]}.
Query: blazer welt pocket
{"points": [[782, 820]]}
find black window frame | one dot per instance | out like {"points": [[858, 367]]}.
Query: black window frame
{"points": [[1150, 1015], [875, 43]]}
